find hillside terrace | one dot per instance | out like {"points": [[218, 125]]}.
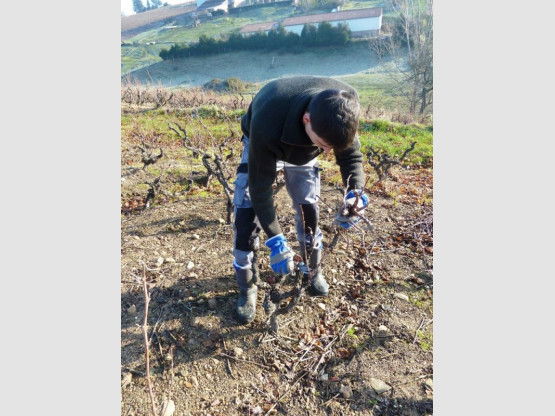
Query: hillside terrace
{"points": [[138, 20]]}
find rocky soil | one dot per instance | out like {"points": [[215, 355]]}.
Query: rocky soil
{"points": [[366, 349]]}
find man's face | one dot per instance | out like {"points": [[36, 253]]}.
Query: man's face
{"points": [[317, 140]]}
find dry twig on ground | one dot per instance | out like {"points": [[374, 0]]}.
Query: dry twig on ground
{"points": [[145, 337]]}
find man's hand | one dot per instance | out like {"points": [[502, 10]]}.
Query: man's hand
{"points": [[281, 257], [348, 214]]}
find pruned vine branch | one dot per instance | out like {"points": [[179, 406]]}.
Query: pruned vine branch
{"points": [[147, 154], [382, 162], [215, 162]]}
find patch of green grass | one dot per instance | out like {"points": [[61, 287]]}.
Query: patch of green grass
{"points": [[135, 57], [426, 340], [375, 89], [395, 138], [422, 301]]}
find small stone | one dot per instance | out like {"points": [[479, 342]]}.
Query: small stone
{"points": [[190, 265], [169, 260], [126, 380], [212, 304], [168, 408], [237, 351], [160, 261], [322, 306], [221, 220], [346, 391], [193, 275], [132, 310], [379, 386], [401, 296], [324, 377], [429, 384], [333, 271], [383, 329], [256, 410], [194, 381], [195, 237]]}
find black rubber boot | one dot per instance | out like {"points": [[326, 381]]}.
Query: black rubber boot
{"points": [[319, 286], [245, 309]]}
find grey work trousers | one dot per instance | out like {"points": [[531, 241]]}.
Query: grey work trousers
{"points": [[302, 184]]}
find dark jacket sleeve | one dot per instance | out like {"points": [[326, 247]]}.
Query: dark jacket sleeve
{"points": [[262, 174], [350, 164]]}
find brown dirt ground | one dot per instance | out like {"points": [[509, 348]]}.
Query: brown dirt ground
{"points": [[328, 350]]}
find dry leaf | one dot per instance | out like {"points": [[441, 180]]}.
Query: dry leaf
{"points": [[343, 352]]}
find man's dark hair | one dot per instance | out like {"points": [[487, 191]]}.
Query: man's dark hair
{"points": [[334, 117]]}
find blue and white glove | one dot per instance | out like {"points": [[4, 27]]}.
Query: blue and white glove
{"points": [[343, 219], [281, 257]]}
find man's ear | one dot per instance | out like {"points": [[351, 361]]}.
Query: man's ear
{"points": [[306, 118]]}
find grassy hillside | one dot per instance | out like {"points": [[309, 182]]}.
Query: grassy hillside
{"points": [[355, 64], [147, 33]]}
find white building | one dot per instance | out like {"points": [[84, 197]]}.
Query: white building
{"points": [[218, 5], [362, 22], [253, 28], [212, 5]]}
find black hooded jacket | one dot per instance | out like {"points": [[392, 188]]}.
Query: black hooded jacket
{"points": [[274, 126]]}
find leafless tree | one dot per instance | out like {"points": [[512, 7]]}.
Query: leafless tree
{"points": [[408, 51]]}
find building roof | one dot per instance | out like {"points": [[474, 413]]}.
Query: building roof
{"points": [[329, 17], [211, 3], [255, 27]]}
